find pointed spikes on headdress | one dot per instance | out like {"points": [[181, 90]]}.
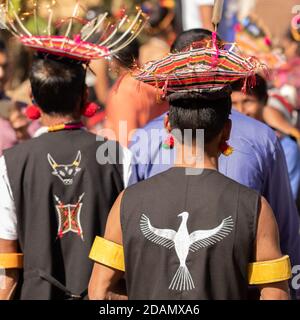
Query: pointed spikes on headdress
{"points": [[99, 21], [76, 47], [127, 31], [75, 12]]}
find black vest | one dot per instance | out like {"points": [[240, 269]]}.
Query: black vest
{"points": [[62, 197], [188, 236]]}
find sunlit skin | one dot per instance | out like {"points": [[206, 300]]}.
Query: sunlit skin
{"points": [[248, 105], [3, 66], [252, 107], [20, 124], [290, 48]]}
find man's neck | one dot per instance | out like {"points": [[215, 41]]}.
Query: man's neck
{"points": [[49, 121], [192, 157]]}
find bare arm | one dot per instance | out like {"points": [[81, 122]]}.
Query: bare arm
{"points": [[275, 119], [9, 280], [100, 67], [206, 13], [124, 104], [268, 248], [103, 278]]}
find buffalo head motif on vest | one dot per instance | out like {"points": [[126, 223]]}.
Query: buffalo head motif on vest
{"points": [[65, 172]]}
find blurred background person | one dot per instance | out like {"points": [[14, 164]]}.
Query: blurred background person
{"points": [[281, 112], [197, 14], [289, 74], [7, 134], [252, 104], [130, 100], [20, 123], [160, 32]]}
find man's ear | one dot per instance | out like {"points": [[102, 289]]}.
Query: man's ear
{"points": [[167, 124], [227, 130], [31, 96], [86, 94]]}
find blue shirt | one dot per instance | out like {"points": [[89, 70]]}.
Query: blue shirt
{"points": [[292, 155], [258, 162]]}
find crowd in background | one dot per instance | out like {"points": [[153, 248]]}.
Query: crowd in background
{"points": [[267, 157], [275, 101]]}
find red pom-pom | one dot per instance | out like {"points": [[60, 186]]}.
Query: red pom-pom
{"points": [[33, 112], [90, 109], [77, 38]]}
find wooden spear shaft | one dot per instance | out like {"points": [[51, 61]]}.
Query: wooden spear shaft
{"points": [[217, 13]]}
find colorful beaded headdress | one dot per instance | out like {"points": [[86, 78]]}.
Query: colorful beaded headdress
{"points": [[73, 37]]}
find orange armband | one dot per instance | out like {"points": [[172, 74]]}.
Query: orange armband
{"points": [[108, 253], [11, 260], [269, 271]]}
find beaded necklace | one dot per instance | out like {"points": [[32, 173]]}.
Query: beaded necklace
{"points": [[65, 126]]}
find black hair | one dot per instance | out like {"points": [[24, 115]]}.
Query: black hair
{"points": [[2, 47], [57, 86], [195, 111], [128, 56], [160, 18], [185, 39], [157, 15], [259, 90]]}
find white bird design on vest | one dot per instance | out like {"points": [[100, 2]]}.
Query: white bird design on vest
{"points": [[184, 243]]}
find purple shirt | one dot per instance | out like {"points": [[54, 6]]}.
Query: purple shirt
{"points": [[258, 162]]}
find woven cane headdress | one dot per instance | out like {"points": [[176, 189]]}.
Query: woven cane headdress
{"points": [[75, 37], [204, 67], [198, 70]]}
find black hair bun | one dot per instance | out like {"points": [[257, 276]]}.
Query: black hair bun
{"points": [[202, 94], [65, 60]]}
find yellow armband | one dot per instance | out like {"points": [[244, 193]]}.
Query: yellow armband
{"points": [[270, 271], [11, 260], [108, 253]]}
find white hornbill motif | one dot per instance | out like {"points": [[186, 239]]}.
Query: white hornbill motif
{"points": [[183, 242]]}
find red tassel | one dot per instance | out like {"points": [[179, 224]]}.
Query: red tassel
{"points": [[33, 112], [77, 38], [268, 41], [215, 59], [169, 142], [90, 109]]}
